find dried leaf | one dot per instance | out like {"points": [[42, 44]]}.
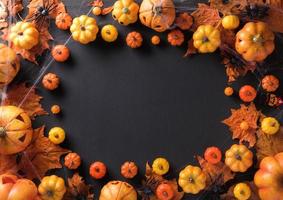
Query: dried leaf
{"points": [[8, 164], [217, 174], [78, 189], [204, 14], [107, 10], [269, 145], [228, 37], [97, 3], [229, 7], [191, 49], [274, 19], [26, 98], [248, 114], [8, 7], [40, 156], [230, 195]]}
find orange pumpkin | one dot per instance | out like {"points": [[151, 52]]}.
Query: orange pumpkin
{"points": [[13, 188], [15, 130], [60, 53], [255, 41], [9, 65], [157, 14], [247, 93], [118, 190], [134, 39], [129, 170], [269, 178], [63, 21], [72, 160], [50, 81], [270, 83], [175, 37]]}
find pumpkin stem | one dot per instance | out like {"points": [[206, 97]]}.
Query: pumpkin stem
{"points": [[238, 157], [158, 10], [258, 38], [125, 10], [2, 132], [50, 193], [205, 39]]}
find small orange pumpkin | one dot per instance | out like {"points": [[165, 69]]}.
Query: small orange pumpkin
{"points": [[72, 160], [60, 53], [63, 21], [247, 93], [175, 37], [155, 40], [129, 170], [270, 83], [50, 81], [134, 39]]}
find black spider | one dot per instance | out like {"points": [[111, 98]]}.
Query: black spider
{"points": [[255, 11], [42, 12]]}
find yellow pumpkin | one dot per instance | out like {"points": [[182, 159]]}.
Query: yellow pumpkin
{"points": [[24, 35], [109, 33], [84, 29], [125, 11], [157, 14], [239, 158], [15, 130], [206, 39], [192, 179], [230, 22], [52, 188], [270, 125], [255, 41], [9, 65], [118, 190]]}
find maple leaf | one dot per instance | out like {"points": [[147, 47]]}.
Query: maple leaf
{"points": [[8, 164], [40, 156], [97, 3], [26, 98], [216, 174], [191, 49], [268, 145], [245, 114], [230, 193], [229, 7], [77, 189], [204, 14], [107, 10], [8, 7], [151, 183]]}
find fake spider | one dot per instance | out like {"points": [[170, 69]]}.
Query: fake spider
{"points": [[42, 12], [254, 11]]}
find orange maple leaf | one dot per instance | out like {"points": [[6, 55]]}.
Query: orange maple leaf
{"points": [[97, 3], [78, 189], [245, 114], [26, 98], [229, 7], [268, 145], [216, 174], [40, 156]]}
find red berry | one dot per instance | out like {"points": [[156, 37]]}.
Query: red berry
{"points": [[97, 170], [164, 191], [213, 155]]}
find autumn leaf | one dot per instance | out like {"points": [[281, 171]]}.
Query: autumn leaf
{"points": [[8, 7], [184, 21], [77, 189], [269, 145], [204, 14], [151, 183], [248, 115], [40, 156], [26, 98], [107, 10], [191, 49], [229, 7], [216, 174], [8, 164], [97, 3], [230, 193], [274, 19]]}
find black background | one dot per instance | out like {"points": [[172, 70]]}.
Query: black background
{"points": [[123, 104]]}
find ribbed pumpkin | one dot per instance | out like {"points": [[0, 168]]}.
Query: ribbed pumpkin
{"points": [[118, 190]]}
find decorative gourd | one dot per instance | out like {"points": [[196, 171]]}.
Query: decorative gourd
{"points": [[84, 29], [50, 81], [230, 22], [270, 125], [270, 83], [242, 191], [60, 53], [9, 65], [63, 21], [52, 188], [15, 130], [206, 39], [255, 41], [109, 33], [118, 190], [247, 93], [157, 14], [125, 11], [176, 37], [164, 191], [160, 166], [155, 40], [13, 188], [239, 158], [129, 170], [72, 160], [134, 39], [24, 35], [269, 178], [97, 170], [192, 179]]}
